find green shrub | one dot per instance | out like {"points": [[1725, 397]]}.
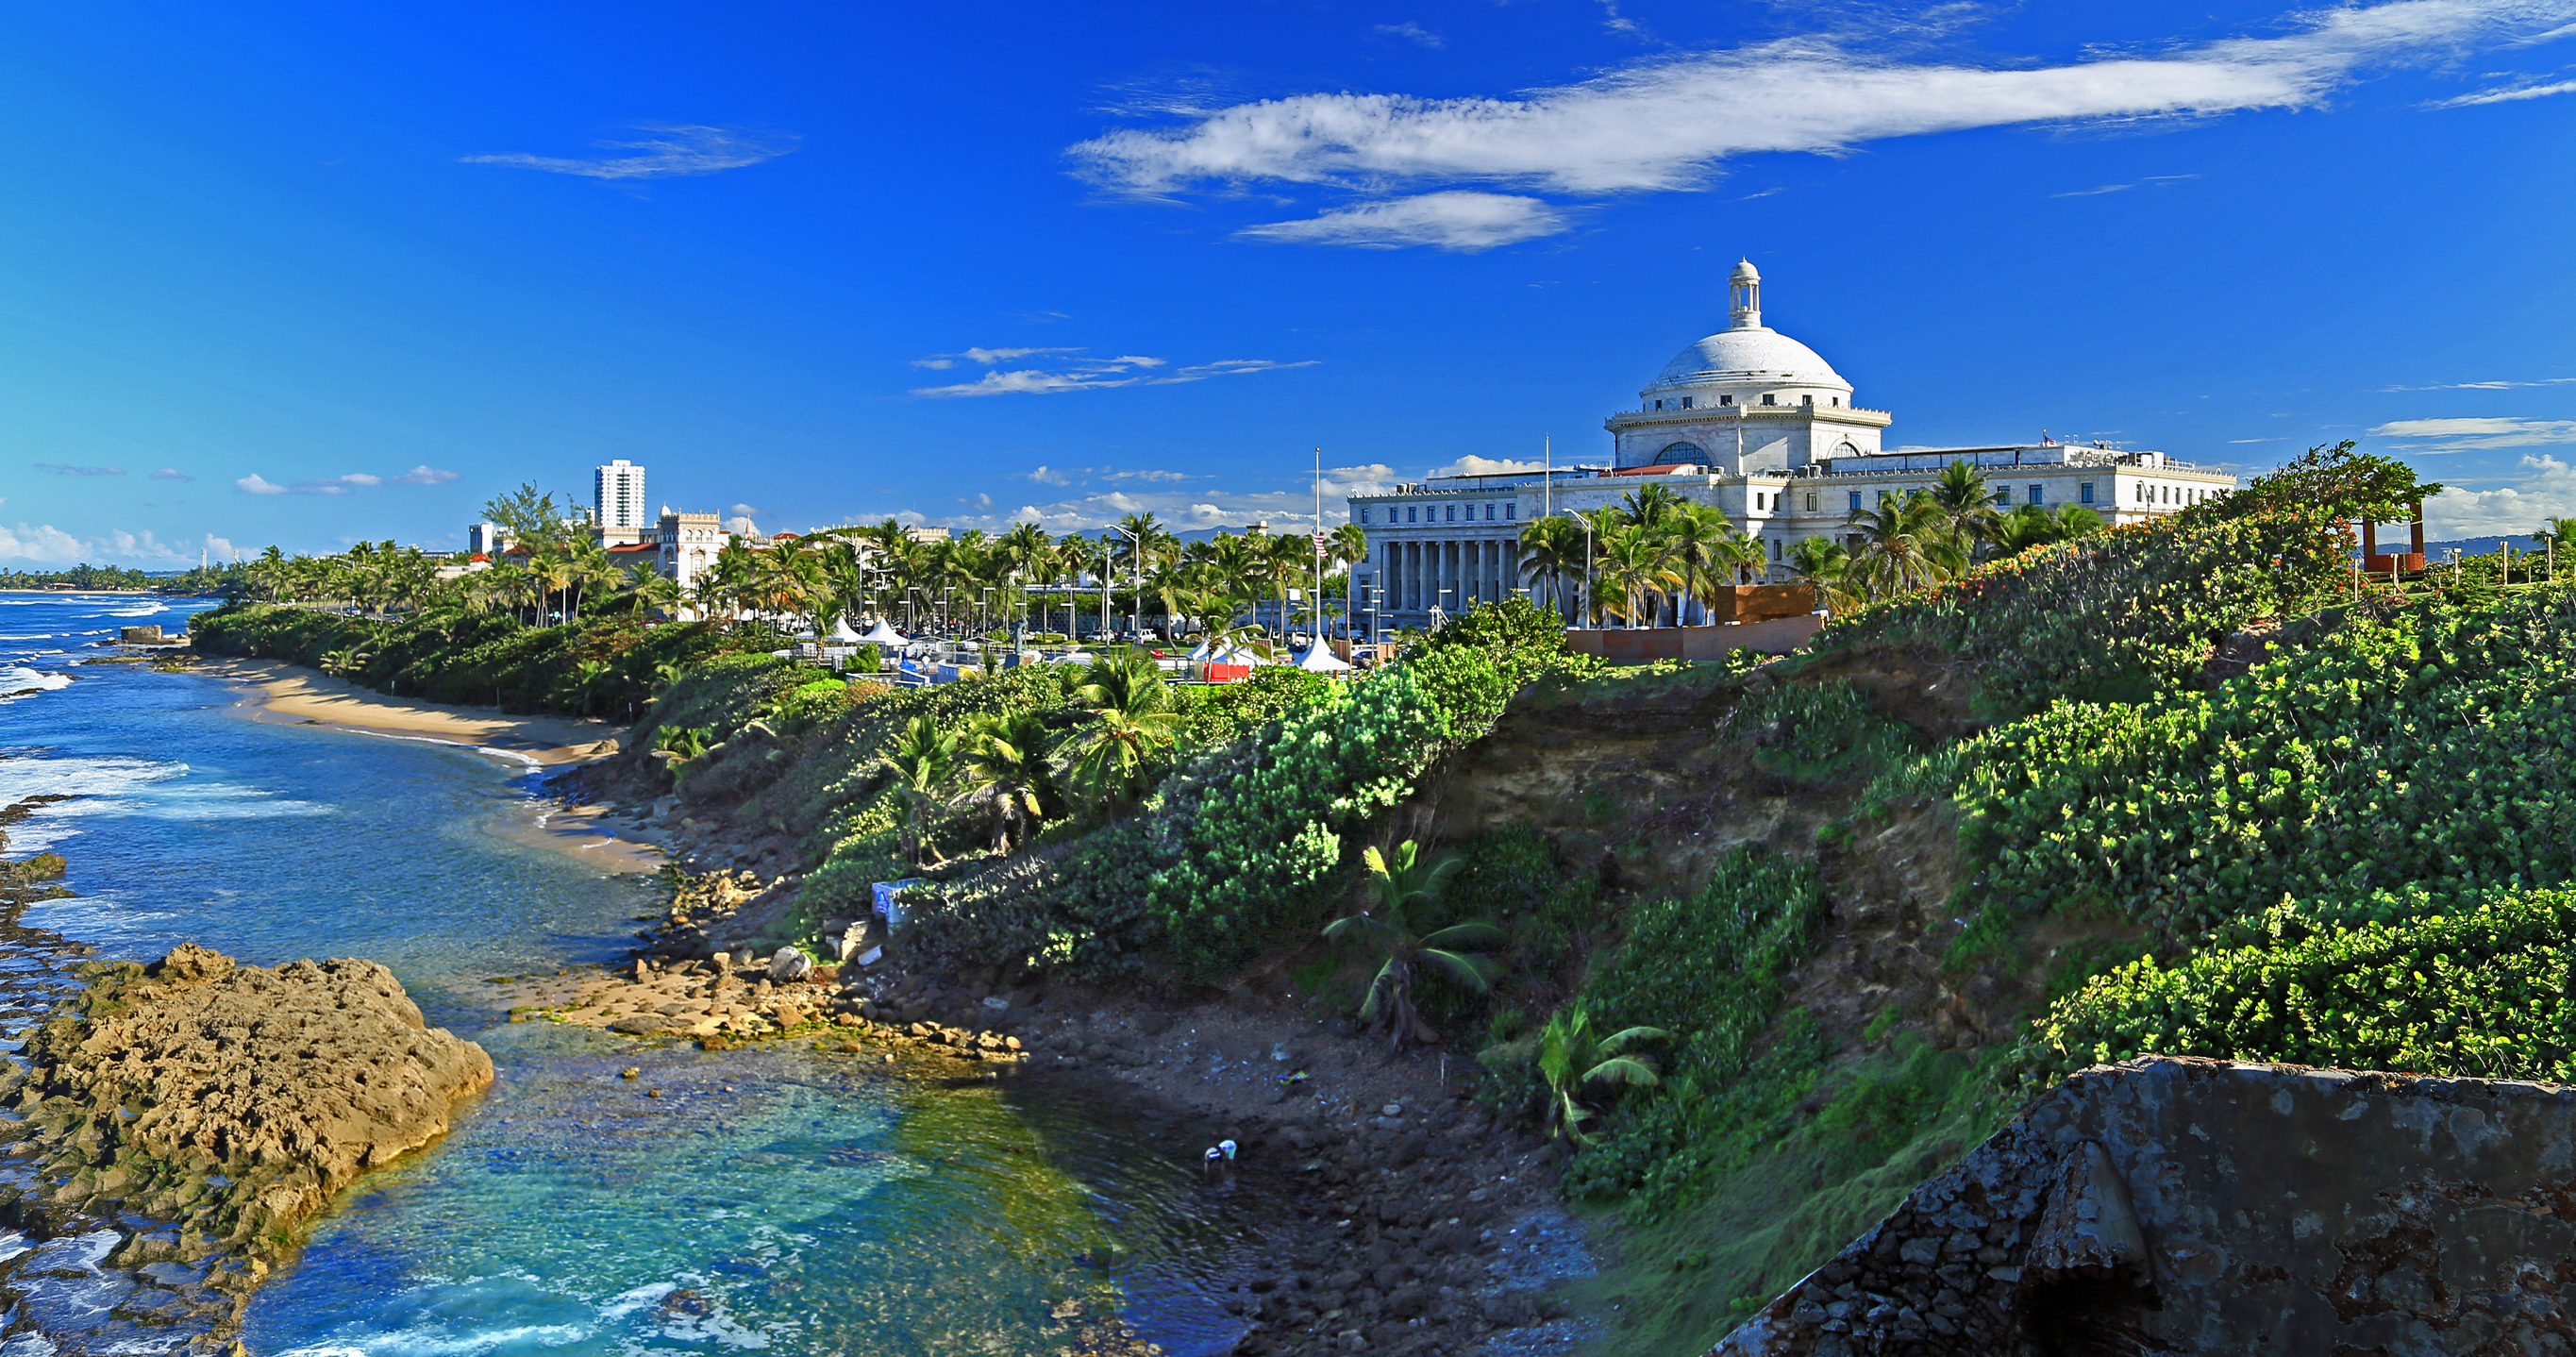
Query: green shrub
{"points": [[2486, 993]]}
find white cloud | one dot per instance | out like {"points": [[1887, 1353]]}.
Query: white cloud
{"points": [[669, 151], [49, 545], [741, 526], [742, 511], [2483, 386], [1667, 122], [1045, 475], [425, 475], [59, 469], [1146, 475], [1487, 466], [987, 357], [2094, 192], [1412, 32], [1098, 374], [2471, 435], [2508, 94], [1457, 219], [2548, 492], [171, 473], [253, 484], [1028, 513]]}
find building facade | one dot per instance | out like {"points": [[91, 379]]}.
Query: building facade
{"points": [[1754, 423], [617, 502]]}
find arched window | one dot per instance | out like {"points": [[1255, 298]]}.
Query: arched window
{"points": [[1680, 452], [1845, 449]]}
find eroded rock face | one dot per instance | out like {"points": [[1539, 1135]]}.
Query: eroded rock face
{"points": [[2191, 1206], [233, 1101]]}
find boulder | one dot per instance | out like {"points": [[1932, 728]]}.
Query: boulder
{"points": [[789, 965]]}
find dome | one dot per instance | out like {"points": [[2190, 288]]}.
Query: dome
{"points": [[1745, 273], [1751, 359]]}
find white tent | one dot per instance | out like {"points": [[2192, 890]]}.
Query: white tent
{"points": [[841, 634], [881, 635], [1320, 659], [1206, 654]]}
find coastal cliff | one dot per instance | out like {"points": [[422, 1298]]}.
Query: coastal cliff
{"points": [[226, 1104]]}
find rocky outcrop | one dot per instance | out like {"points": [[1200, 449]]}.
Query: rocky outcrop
{"points": [[2190, 1206], [227, 1102]]}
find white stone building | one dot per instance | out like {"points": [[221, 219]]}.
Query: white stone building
{"points": [[1748, 420]]}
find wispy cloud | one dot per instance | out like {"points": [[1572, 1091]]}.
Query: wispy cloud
{"points": [[1457, 219], [2506, 95], [171, 473], [59, 469], [1669, 122], [255, 484], [1094, 374], [1049, 476], [2484, 386], [1411, 32], [987, 357], [663, 152], [2094, 192], [2478, 435], [425, 475]]}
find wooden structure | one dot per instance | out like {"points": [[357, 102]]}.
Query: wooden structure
{"points": [[2410, 561]]}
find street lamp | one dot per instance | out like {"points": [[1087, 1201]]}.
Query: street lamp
{"points": [[1138, 616]]}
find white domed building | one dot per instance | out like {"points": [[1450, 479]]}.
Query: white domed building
{"points": [[1745, 398], [1753, 422]]}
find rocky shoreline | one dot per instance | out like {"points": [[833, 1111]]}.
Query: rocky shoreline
{"points": [[1402, 1218], [176, 1124]]}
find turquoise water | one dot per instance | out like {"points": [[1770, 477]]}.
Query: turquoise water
{"points": [[785, 1201]]}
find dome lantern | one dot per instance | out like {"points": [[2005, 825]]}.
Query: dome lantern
{"points": [[1744, 297]]}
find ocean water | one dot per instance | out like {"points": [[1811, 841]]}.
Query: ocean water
{"points": [[783, 1201]]}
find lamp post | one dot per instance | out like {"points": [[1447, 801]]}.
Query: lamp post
{"points": [[1138, 616]]}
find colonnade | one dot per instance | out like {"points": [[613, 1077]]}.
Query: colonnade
{"points": [[1454, 574]]}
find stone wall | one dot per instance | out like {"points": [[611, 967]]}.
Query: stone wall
{"points": [[2202, 1206]]}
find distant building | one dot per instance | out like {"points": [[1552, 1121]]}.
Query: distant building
{"points": [[689, 543], [486, 539], [1748, 420], [617, 498]]}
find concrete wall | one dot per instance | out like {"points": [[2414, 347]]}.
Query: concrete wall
{"points": [[1636, 645], [2200, 1206]]}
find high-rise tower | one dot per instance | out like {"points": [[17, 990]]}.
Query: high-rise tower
{"points": [[619, 497]]}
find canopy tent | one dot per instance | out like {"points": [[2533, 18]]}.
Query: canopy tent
{"points": [[1207, 654], [881, 635], [842, 635], [1320, 659]]}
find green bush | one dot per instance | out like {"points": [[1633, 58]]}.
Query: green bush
{"points": [[2116, 616], [2486, 993]]}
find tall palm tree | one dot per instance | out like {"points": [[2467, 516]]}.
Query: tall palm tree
{"points": [[1575, 1059], [1348, 546], [923, 758], [1132, 722], [1824, 562], [1700, 544], [1404, 882], [1552, 552], [1636, 568], [1005, 760], [1906, 544], [1967, 503]]}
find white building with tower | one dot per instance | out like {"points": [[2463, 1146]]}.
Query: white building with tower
{"points": [[1755, 423]]}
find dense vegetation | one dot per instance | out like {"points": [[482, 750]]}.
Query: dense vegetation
{"points": [[204, 581]]}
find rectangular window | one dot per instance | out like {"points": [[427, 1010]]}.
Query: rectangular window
{"points": [[2034, 494], [1855, 501], [1409, 512], [1453, 513], [1726, 400], [1811, 501], [1775, 548], [1512, 510], [2084, 493], [1686, 402], [1364, 515]]}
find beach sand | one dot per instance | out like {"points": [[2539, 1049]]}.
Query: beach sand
{"points": [[285, 693]]}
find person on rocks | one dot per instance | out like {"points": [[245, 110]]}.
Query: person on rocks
{"points": [[1218, 1164]]}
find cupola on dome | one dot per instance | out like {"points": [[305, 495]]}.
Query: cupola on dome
{"points": [[1748, 358]]}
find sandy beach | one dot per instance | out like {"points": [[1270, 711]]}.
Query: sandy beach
{"points": [[285, 693]]}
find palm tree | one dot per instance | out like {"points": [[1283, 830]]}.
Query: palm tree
{"points": [[923, 757], [1701, 547], [1132, 721], [1349, 546], [1906, 544], [1823, 562], [1401, 884], [1967, 503], [1552, 551], [1634, 567], [1574, 1061], [1006, 759], [2558, 533]]}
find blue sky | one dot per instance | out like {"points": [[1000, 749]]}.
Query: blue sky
{"points": [[303, 274]]}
